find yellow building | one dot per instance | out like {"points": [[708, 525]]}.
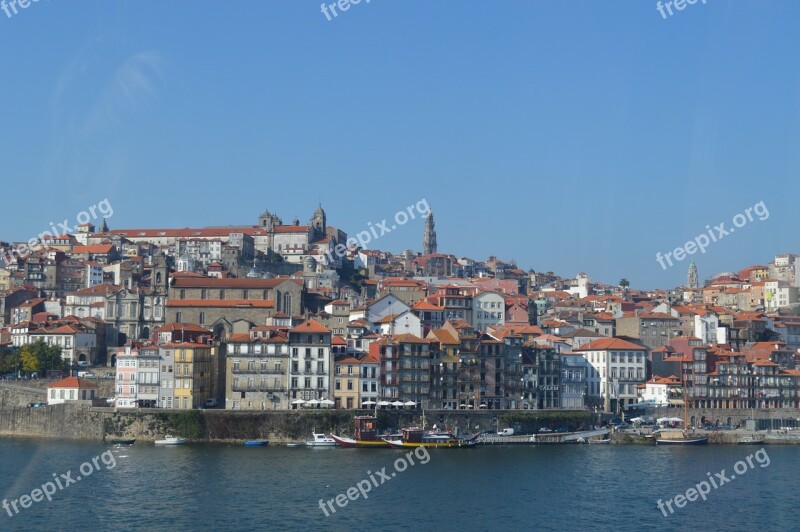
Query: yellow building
{"points": [[347, 383], [192, 375], [5, 275]]}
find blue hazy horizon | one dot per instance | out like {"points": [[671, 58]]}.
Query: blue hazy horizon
{"points": [[568, 136]]}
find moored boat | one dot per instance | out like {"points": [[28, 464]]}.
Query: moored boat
{"points": [[366, 435], [416, 437], [750, 440], [679, 437], [121, 442], [320, 440], [169, 439], [256, 443]]}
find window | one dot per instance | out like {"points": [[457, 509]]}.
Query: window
{"points": [[202, 318]]}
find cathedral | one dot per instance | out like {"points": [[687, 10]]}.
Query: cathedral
{"points": [[295, 242]]}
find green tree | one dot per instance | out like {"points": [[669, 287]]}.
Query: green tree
{"points": [[38, 357], [623, 283], [9, 360]]}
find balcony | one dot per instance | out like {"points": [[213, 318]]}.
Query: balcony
{"points": [[258, 388]]}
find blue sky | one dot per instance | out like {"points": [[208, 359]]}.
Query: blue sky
{"points": [[568, 135]]}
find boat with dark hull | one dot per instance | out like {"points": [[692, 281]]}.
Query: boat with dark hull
{"points": [[413, 437], [680, 437]]}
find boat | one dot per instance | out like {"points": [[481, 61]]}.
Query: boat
{"points": [[681, 436], [256, 443], [366, 435], [416, 437], [750, 440], [171, 440], [320, 440], [121, 442], [605, 442], [296, 444]]}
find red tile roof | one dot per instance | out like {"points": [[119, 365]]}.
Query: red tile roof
{"points": [[311, 326], [73, 382], [609, 344]]}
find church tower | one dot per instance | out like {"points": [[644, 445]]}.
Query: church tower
{"points": [[429, 242], [691, 277], [318, 223]]}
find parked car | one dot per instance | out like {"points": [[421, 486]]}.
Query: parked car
{"points": [[210, 403], [86, 375], [562, 429], [506, 432], [36, 405], [83, 364], [545, 429]]}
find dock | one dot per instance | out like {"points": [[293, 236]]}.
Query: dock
{"points": [[549, 437]]}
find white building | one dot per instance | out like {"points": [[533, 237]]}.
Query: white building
{"points": [[90, 302], [71, 389], [617, 367], [488, 309], [383, 307], [706, 326], [94, 274], [659, 390], [580, 286], [779, 294], [405, 323], [77, 345], [370, 380], [310, 362]]}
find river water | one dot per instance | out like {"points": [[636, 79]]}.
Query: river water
{"points": [[229, 487]]}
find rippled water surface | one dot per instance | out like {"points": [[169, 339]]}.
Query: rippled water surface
{"points": [[227, 487]]}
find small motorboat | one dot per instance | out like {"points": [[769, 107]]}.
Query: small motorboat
{"points": [[121, 442], [256, 443], [320, 440], [295, 444], [169, 439]]}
